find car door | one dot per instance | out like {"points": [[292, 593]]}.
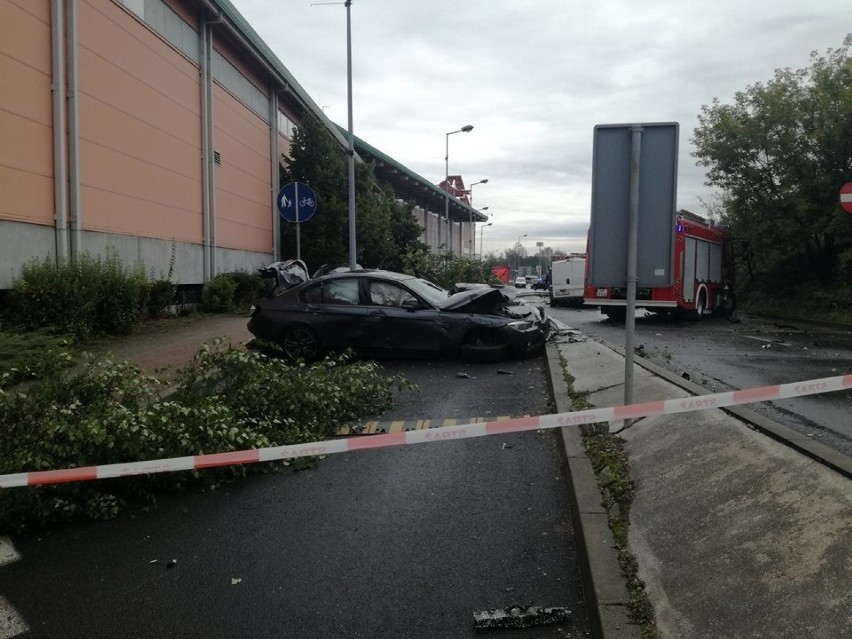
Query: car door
{"points": [[335, 311], [398, 321]]}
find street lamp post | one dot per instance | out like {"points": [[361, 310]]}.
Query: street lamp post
{"points": [[518, 254], [540, 245], [350, 151], [350, 146], [481, 229], [472, 240], [467, 128]]}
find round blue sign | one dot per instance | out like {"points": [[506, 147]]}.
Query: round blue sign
{"points": [[297, 202]]}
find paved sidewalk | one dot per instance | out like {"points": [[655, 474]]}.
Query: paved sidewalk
{"points": [[164, 346], [735, 534]]}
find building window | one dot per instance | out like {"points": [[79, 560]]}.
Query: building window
{"points": [[162, 19], [286, 126], [234, 81], [136, 6]]}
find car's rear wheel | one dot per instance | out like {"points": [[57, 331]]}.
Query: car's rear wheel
{"points": [[301, 343]]}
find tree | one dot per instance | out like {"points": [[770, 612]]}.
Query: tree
{"points": [[780, 154], [384, 227]]}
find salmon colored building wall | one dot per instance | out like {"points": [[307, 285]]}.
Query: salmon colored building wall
{"points": [[243, 201], [139, 155], [26, 127], [116, 135], [140, 129]]}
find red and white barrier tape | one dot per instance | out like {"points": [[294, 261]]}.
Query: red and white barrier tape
{"points": [[462, 431]]}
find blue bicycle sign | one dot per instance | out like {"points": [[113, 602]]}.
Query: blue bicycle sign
{"points": [[296, 202]]}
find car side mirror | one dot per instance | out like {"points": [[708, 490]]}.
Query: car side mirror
{"points": [[410, 304]]}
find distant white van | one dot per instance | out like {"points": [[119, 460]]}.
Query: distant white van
{"points": [[567, 278]]}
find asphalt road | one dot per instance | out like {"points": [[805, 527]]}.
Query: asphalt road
{"points": [[400, 542], [754, 351]]}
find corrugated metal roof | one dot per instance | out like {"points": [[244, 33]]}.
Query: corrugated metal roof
{"points": [[417, 188]]}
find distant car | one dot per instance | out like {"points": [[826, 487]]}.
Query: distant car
{"points": [[520, 282], [386, 313]]}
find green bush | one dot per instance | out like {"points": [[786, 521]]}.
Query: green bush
{"points": [[250, 286], [26, 356], [218, 294], [448, 269], [297, 402], [83, 296], [162, 294], [232, 291], [108, 412], [121, 295]]}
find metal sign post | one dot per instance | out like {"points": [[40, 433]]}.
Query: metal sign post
{"points": [[632, 252], [294, 208]]}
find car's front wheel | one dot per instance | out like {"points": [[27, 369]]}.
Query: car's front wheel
{"points": [[484, 348], [301, 343]]}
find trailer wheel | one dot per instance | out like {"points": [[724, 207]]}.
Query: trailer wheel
{"points": [[701, 304], [727, 305], [616, 314]]}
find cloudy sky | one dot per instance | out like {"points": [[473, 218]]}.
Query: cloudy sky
{"points": [[534, 77]]}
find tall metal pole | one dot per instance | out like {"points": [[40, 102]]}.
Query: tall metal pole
{"points": [[446, 187], [467, 128], [471, 243], [298, 225], [632, 259], [351, 150], [481, 229]]}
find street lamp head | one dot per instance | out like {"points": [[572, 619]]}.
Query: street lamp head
{"points": [[467, 128], [485, 181], [489, 224], [484, 208]]}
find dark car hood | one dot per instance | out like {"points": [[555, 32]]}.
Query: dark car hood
{"points": [[475, 300], [490, 301]]}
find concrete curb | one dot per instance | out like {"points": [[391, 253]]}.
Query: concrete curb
{"points": [[604, 584]]}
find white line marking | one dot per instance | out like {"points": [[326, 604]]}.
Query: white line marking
{"points": [[8, 554], [768, 341], [11, 624]]}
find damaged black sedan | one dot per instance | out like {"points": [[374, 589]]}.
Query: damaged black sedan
{"points": [[391, 314]]}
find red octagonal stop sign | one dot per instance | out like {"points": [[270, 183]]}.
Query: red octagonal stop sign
{"points": [[846, 197]]}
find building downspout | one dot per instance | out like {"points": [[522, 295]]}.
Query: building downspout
{"points": [[275, 155], [60, 166], [73, 130], [208, 233]]}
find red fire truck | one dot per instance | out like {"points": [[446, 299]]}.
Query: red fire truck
{"points": [[703, 275]]}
